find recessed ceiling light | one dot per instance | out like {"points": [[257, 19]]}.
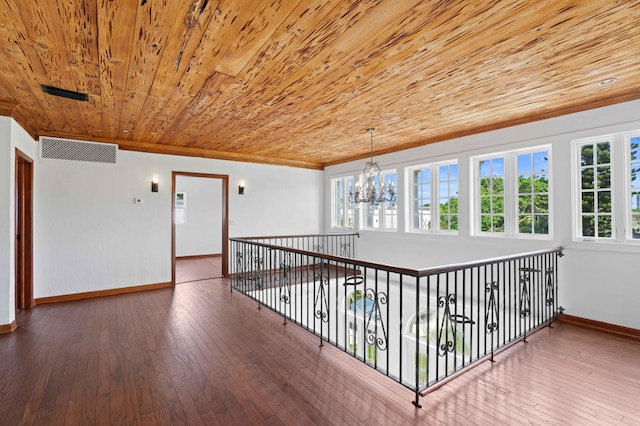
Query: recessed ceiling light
{"points": [[607, 81], [124, 131]]}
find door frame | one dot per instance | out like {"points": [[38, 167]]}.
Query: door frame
{"points": [[225, 219], [23, 222]]}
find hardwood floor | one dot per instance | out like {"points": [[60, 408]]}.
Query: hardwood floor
{"points": [[196, 269], [197, 354]]}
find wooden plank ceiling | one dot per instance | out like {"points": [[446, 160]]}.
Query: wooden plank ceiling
{"points": [[298, 82]]}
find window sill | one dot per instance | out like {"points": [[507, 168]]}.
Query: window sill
{"points": [[625, 246]]}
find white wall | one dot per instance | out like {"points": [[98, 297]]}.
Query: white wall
{"points": [[7, 276], [597, 280], [89, 234], [201, 233], [12, 136]]}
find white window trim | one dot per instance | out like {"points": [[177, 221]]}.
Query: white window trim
{"points": [[434, 171], [576, 186], [620, 181], [510, 193], [516, 206], [476, 226], [363, 211], [628, 229], [346, 206], [180, 206]]}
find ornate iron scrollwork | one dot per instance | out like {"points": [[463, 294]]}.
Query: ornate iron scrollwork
{"points": [[285, 286], [345, 249], [249, 269], [239, 268], [321, 301], [378, 333], [549, 288], [256, 276], [447, 333], [491, 316], [525, 299]]}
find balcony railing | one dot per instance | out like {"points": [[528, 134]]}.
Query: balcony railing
{"points": [[420, 327], [334, 244]]}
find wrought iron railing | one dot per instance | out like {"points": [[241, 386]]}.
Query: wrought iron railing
{"points": [[334, 244], [419, 327]]}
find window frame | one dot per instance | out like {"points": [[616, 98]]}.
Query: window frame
{"points": [[382, 212], [507, 194], [434, 197], [517, 194], [411, 211], [511, 193], [438, 222], [347, 207], [180, 207], [621, 188], [577, 190], [628, 187]]}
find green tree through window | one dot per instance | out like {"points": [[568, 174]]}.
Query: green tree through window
{"points": [[533, 193], [596, 190], [492, 195], [434, 197], [448, 195], [513, 193]]}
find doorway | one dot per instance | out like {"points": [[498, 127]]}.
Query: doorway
{"points": [[23, 231], [184, 210]]}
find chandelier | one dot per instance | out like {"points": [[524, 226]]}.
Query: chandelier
{"points": [[373, 190]]}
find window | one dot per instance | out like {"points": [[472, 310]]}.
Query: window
{"points": [[512, 193], [533, 193], [434, 185], [421, 198], [607, 188], [595, 195], [634, 187], [492, 195], [383, 215], [448, 197], [181, 208], [342, 210]]}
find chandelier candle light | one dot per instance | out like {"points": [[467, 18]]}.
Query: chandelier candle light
{"points": [[373, 190]]}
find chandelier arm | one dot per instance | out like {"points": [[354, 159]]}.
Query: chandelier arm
{"points": [[373, 189]]}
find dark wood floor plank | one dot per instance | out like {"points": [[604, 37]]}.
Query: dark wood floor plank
{"points": [[198, 354], [197, 269]]}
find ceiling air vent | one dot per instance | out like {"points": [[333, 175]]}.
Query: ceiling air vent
{"points": [[67, 149], [63, 93]]}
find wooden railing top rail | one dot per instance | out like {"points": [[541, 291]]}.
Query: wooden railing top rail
{"points": [[473, 264], [422, 272], [337, 234]]}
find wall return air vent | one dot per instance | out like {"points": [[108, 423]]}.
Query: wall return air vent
{"points": [[67, 149]]}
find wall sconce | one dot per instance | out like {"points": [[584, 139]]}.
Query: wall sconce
{"points": [[241, 189], [154, 184]]}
